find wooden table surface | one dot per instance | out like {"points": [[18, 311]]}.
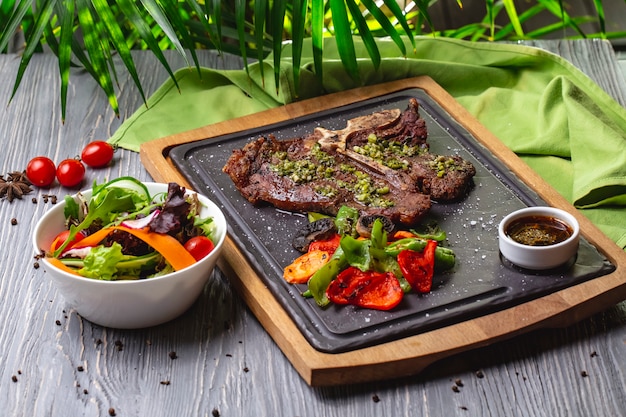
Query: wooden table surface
{"points": [[216, 360]]}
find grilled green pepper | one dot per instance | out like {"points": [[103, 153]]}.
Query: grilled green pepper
{"points": [[444, 257], [346, 220], [320, 280]]}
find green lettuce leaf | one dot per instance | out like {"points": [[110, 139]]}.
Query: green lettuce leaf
{"points": [[101, 262]]}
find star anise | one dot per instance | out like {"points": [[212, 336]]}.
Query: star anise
{"points": [[14, 186]]}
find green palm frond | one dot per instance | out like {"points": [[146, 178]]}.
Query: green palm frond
{"points": [[97, 34], [299, 13], [260, 18], [41, 20], [277, 16], [513, 17], [600, 11], [317, 38]]}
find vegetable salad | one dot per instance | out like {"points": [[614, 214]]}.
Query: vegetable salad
{"points": [[124, 233]]}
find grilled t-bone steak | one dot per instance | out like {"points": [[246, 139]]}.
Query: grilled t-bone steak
{"points": [[378, 164]]}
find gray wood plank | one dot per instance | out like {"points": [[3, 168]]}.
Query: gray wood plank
{"points": [[226, 363]]}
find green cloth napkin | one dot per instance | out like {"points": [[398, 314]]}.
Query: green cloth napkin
{"points": [[548, 112]]}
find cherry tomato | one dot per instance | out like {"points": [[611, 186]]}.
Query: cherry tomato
{"points": [[97, 154], [199, 247], [70, 172], [62, 237], [41, 171]]}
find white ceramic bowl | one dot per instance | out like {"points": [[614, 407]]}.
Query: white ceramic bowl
{"points": [[131, 304], [539, 257]]}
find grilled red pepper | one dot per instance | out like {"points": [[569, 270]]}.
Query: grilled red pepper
{"points": [[370, 289], [329, 245], [418, 267]]}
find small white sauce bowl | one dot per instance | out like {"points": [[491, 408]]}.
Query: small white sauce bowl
{"points": [[131, 304], [539, 257]]}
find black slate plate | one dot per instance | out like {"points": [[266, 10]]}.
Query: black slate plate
{"points": [[481, 282]]}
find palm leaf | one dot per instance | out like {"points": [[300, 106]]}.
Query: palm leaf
{"points": [[299, 21], [44, 15], [133, 14], [66, 18], [156, 12], [249, 28], [317, 31], [600, 11], [397, 12], [200, 14], [260, 13], [13, 23], [364, 32], [240, 21], [610, 35], [513, 17], [230, 44], [490, 18], [6, 9], [560, 26], [559, 11], [469, 30], [92, 38], [385, 24], [343, 38], [178, 25], [424, 16], [118, 41], [214, 10], [278, 17], [508, 29]]}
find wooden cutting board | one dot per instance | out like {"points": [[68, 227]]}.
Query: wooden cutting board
{"points": [[408, 355]]}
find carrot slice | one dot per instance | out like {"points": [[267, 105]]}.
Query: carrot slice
{"points": [[171, 249], [57, 262], [401, 234], [304, 266]]}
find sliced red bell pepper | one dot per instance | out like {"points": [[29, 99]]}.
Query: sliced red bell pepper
{"points": [[375, 290], [418, 267], [329, 245]]}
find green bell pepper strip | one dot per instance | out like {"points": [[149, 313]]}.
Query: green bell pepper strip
{"points": [[371, 254], [357, 252], [320, 280], [346, 220], [313, 216], [379, 235], [444, 257], [382, 262], [430, 231], [439, 237]]}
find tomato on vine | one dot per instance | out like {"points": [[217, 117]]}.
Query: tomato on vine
{"points": [[70, 172], [97, 154], [41, 171]]}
